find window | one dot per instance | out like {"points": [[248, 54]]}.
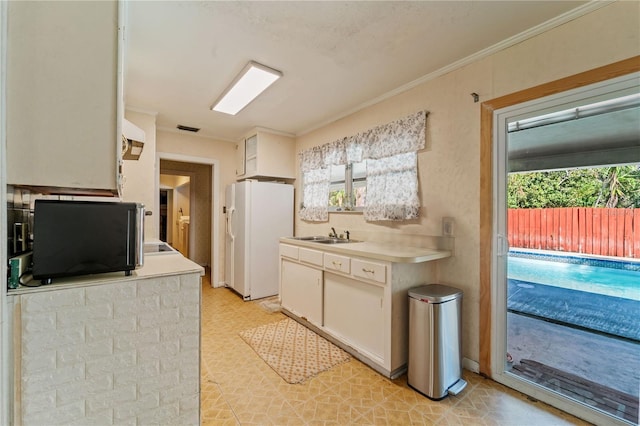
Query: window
{"points": [[348, 187], [379, 165]]}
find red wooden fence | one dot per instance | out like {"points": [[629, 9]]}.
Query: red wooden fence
{"points": [[600, 231]]}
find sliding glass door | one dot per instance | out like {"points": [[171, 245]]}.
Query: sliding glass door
{"points": [[566, 292]]}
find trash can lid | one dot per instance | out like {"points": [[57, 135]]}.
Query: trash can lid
{"points": [[434, 293]]}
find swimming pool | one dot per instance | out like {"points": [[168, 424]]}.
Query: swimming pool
{"points": [[595, 294], [592, 275]]}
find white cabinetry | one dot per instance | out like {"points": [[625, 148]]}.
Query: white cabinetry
{"points": [[369, 270], [359, 302], [334, 262], [301, 291], [63, 95], [301, 285], [240, 158], [265, 154], [354, 311]]}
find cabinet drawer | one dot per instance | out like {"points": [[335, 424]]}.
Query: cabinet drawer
{"points": [[289, 251], [337, 263], [369, 270], [313, 257]]}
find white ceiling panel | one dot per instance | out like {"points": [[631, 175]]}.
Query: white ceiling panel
{"points": [[335, 56]]}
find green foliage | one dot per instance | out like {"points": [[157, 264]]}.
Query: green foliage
{"points": [[595, 187], [336, 198]]}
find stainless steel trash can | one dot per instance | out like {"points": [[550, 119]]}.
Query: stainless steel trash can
{"points": [[435, 340]]}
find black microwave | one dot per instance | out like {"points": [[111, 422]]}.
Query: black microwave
{"points": [[72, 238]]}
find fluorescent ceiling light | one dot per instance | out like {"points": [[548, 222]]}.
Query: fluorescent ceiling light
{"points": [[252, 81]]}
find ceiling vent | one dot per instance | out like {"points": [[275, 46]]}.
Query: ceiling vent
{"points": [[187, 128]]}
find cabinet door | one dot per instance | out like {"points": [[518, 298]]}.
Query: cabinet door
{"points": [[251, 155], [270, 155], [62, 97], [301, 291], [354, 311], [240, 158]]}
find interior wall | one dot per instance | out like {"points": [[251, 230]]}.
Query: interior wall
{"points": [[449, 166], [139, 175], [170, 183], [181, 206], [182, 200], [222, 151]]}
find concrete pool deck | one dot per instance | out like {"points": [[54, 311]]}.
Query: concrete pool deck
{"points": [[612, 362]]}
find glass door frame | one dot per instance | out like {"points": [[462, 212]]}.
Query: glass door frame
{"points": [[495, 114]]}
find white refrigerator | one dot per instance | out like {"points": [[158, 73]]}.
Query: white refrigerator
{"points": [[257, 215]]}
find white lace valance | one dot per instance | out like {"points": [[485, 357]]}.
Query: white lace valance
{"points": [[401, 136]]}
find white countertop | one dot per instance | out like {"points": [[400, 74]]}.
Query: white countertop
{"points": [[167, 264], [380, 251], [156, 265]]}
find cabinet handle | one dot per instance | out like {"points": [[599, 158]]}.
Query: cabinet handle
{"points": [[336, 263], [368, 271]]}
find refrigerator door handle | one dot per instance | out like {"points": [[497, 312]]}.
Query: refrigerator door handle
{"points": [[230, 223]]}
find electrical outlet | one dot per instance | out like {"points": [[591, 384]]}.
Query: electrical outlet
{"points": [[448, 226]]}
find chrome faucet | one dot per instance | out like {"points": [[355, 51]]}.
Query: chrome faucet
{"points": [[334, 234]]}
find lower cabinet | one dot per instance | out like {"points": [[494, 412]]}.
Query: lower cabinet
{"points": [[354, 311], [361, 303], [301, 291]]}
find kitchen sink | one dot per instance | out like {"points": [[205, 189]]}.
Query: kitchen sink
{"points": [[325, 240], [314, 238], [335, 241]]}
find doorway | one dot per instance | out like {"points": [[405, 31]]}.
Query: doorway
{"points": [[175, 207], [164, 203], [199, 179], [497, 115]]}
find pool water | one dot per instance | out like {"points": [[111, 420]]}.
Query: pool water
{"points": [[583, 277]]}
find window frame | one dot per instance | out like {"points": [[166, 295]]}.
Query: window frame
{"points": [[348, 182]]}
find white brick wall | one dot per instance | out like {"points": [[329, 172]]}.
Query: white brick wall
{"points": [[125, 353]]}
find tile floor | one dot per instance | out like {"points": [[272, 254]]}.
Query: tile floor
{"points": [[238, 388]]}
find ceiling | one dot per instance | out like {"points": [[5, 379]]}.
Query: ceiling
{"points": [[336, 57], [600, 140]]}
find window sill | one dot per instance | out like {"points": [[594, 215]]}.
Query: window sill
{"points": [[346, 211]]}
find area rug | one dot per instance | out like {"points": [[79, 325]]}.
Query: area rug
{"points": [[292, 350]]}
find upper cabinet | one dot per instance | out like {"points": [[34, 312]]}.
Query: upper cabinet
{"points": [[64, 95], [265, 154]]}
